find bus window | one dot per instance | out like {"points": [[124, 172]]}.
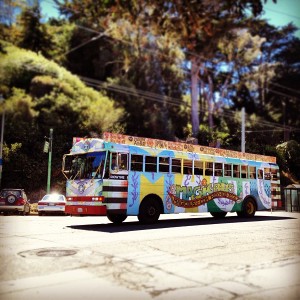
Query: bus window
{"points": [[198, 167], [136, 163], [209, 168], [236, 171], [244, 171], [114, 162], [218, 169], [252, 172], [176, 165], [164, 164], [187, 167], [228, 170], [274, 174], [260, 174], [150, 164], [267, 172], [123, 161], [78, 169]]}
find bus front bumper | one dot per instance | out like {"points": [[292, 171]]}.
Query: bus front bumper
{"points": [[84, 209]]}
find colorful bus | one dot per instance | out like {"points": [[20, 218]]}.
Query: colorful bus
{"points": [[119, 176]]}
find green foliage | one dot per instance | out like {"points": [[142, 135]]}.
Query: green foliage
{"points": [[288, 154], [33, 33], [61, 33], [138, 50], [40, 95]]}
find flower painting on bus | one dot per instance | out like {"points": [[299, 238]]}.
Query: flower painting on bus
{"points": [[200, 195]]}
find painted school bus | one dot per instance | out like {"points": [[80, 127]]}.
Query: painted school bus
{"points": [[120, 176]]}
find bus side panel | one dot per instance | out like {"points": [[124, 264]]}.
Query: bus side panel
{"points": [[263, 192], [134, 193], [197, 187]]}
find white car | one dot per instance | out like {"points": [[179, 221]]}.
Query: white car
{"points": [[52, 203]]}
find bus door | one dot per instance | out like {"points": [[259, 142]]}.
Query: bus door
{"points": [[264, 188], [115, 187], [275, 188]]}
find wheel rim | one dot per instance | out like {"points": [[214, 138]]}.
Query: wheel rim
{"points": [[250, 208], [151, 211]]}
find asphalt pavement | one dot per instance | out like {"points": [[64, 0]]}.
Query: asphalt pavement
{"points": [[190, 256]]}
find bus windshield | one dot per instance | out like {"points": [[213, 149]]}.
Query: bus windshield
{"points": [[85, 166]]}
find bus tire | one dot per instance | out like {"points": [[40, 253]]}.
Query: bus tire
{"points": [[248, 208], [149, 211], [116, 218], [219, 215]]}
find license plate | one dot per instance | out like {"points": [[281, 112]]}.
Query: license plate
{"points": [[51, 204]]}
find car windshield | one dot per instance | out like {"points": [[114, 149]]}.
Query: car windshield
{"points": [[53, 197], [5, 193]]}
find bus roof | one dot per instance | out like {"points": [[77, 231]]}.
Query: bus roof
{"points": [[98, 144], [185, 147]]}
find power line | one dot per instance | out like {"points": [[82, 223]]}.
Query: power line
{"points": [[152, 50], [284, 87], [157, 97], [272, 130], [150, 96], [282, 13], [133, 92]]}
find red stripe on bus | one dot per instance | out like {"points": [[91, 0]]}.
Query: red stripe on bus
{"points": [[86, 210]]}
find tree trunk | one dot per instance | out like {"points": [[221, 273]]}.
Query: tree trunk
{"points": [[195, 97], [210, 103]]}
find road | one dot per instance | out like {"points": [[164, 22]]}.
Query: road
{"points": [[190, 256]]}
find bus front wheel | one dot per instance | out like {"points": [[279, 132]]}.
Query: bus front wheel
{"points": [[116, 219], [149, 211]]}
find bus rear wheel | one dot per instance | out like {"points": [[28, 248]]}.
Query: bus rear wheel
{"points": [[116, 218], [248, 209], [219, 215], [149, 211]]}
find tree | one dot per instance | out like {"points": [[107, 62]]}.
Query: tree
{"points": [[279, 91], [34, 35], [289, 161], [38, 97], [9, 9], [131, 54], [200, 25]]}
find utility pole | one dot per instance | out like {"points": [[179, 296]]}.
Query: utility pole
{"points": [[49, 160], [243, 131], [1, 142]]}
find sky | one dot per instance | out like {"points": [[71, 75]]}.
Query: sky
{"points": [[283, 12], [278, 14]]}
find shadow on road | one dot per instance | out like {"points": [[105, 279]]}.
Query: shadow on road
{"points": [[136, 226]]}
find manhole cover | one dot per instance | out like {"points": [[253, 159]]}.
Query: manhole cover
{"points": [[55, 252], [48, 252]]}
